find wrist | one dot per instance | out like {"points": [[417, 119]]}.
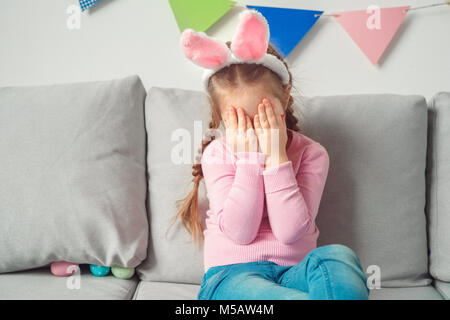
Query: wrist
{"points": [[251, 157], [272, 161]]}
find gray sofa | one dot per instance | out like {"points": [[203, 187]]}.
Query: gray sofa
{"points": [[91, 172]]}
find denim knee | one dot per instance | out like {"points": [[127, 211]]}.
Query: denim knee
{"points": [[336, 252], [340, 253], [343, 255]]}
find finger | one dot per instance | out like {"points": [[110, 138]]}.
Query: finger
{"points": [[249, 122], [258, 129], [252, 140], [225, 118], [251, 132], [273, 120], [283, 120], [279, 111], [277, 106], [256, 123], [241, 120], [231, 120], [262, 117]]}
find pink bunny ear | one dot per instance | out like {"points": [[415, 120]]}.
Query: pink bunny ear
{"points": [[204, 51], [251, 38]]}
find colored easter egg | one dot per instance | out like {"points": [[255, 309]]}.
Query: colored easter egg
{"points": [[122, 273], [99, 271], [63, 268]]}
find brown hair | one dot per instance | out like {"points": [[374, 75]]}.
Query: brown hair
{"points": [[229, 77]]}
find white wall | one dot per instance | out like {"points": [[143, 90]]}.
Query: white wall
{"points": [[123, 37]]}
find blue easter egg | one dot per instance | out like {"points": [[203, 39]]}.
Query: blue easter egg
{"points": [[99, 271]]}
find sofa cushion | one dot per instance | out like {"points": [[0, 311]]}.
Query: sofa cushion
{"points": [[438, 179], [443, 288], [374, 197], [152, 290], [40, 284], [373, 200], [180, 291], [409, 293], [171, 116], [73, 185]]}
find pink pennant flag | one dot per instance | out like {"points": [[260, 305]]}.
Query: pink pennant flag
{"points": [[372, 29]]}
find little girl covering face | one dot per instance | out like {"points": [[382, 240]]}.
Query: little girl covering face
{"points": [[260, 239]]}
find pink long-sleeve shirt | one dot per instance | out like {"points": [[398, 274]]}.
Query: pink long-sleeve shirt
{"points": [[262, 214]]}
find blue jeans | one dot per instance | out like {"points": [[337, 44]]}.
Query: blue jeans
{"points": [[331, 272]]}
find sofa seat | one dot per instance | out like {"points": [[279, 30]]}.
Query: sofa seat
{"points": [[156, 290], [410, 293], [153, 290], [40, 284], [443, 288]]}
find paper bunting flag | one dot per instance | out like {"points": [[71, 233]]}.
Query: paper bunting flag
{"points": [[199, 15], [287, 26], [86, 4], [372, 30]]}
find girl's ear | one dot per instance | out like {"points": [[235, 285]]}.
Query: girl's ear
{"points": [[203, 50], [251, 38]]}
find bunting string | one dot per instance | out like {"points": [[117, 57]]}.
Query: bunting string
{"points": [[335, 14], [405, 10], [372, 29], [429, 6]]}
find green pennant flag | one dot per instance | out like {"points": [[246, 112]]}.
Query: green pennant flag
{"points": [[199, 14]]}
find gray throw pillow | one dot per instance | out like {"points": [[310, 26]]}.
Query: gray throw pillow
{"points": [[438, 178], [73, 181], [172, 116], [374, 197]]}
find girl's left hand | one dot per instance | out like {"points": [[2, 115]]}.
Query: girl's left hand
{"points": [[269, 126]]}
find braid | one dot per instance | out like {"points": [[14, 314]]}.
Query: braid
{"points": [[197, 172], [188, 207]]}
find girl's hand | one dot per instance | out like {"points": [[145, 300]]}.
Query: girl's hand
{"points": [[240, 135], [269, 126]]}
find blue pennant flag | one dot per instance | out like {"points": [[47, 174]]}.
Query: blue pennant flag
{"points": [[86, 4], [287, 26]]}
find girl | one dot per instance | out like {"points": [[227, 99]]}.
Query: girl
{"points": [[260, 236]]}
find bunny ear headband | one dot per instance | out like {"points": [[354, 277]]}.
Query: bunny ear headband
{"points": [[249, 45]]}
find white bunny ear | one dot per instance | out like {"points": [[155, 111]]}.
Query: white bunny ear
{"points": [[252, 35], [204, 51]]}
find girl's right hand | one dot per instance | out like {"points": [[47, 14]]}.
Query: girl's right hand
{"points": [[240, 134]]}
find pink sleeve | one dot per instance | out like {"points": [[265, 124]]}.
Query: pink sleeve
{"points": [[293, 200], [235, 190]]}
